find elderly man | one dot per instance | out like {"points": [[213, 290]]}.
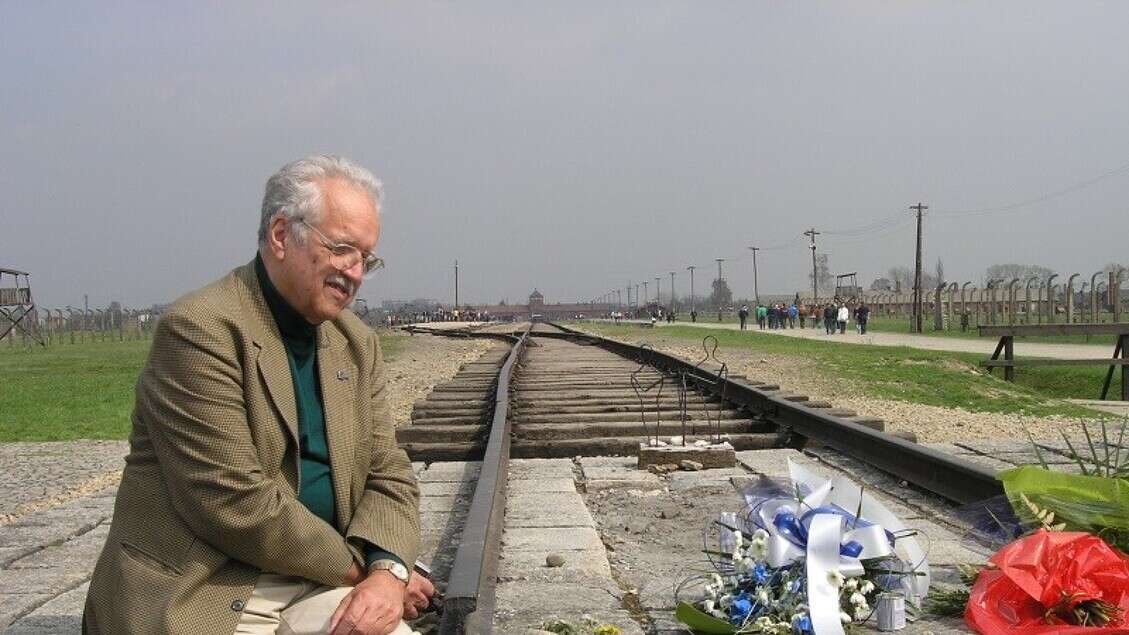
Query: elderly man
{"points": [[264, 491]]}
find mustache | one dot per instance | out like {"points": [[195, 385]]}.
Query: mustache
{"points": [[342, 281]]}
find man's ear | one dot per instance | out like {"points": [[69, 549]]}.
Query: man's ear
{"points": [[279, 231]]}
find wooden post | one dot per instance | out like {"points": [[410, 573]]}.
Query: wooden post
{"points": [[1009, 355], [1124, 341]]}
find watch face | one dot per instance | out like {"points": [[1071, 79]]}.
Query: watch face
{"points": [[400, 571]]}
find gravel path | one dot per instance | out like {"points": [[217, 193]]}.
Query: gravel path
{"points": [[984, 346], [422, 362]]}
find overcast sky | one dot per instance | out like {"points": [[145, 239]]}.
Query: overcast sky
{"points": [[573, 147]]}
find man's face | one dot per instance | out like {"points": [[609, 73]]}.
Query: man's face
{"points": [[310, 283]]}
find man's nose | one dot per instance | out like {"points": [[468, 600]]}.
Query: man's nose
{"points": [[355, 273]]}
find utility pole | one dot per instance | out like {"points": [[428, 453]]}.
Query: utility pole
{"points": [[756, 290], [672, 291], [628, 307], [915, 325], [658, 292], [691, 269], [814, 273], [646, 294], [719, 261], [637, 296], [456, 285]]}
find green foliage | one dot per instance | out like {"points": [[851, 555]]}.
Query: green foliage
{"points": [[721, 296], [936, 378], [80, 391]]}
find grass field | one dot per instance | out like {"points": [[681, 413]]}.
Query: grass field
{"points": [[936, 378], [79, 391]]}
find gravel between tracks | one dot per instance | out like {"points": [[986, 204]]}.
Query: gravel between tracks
{"points": [[931, 424], [423, 361]]}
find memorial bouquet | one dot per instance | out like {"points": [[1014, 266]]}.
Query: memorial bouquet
{"points": [[1067, 571], [810, 557]]}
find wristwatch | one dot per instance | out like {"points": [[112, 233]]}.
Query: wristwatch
{"points": [[391, 566]]}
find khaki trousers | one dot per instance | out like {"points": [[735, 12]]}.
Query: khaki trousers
{"points": [[287, 605]]}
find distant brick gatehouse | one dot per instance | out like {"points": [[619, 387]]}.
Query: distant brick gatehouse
{"points": [[537, 306]]}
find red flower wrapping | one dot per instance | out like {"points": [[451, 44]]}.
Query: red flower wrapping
{"points": [[1036, 572]]}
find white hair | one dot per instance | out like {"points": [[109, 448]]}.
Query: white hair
{"points": [[294, 191]]}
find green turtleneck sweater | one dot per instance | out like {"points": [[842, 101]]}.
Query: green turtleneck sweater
{"points": [[315, 482]]}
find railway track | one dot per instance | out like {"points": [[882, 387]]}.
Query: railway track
{"points": [[571, 398], [560, 393]]}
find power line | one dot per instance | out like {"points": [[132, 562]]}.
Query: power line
{"points": [[1038, 199]]}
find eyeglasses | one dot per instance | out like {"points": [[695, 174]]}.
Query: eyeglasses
{"points": [[344, 256]]}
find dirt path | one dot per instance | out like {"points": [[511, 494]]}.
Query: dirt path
{"points": [[984, 346], [421, 362]]}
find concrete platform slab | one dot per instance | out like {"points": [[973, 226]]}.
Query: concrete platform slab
{"points": [[551, 539], [705, 478], [769, 462], [541, 468], [578, 565], [542, 485], [448, 471]]}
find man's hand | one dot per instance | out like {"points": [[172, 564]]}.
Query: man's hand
{"points": [[373, 607], [418, 595]]}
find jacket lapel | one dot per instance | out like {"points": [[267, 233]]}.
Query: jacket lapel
{"points": [[338, 378], [274, 369]]}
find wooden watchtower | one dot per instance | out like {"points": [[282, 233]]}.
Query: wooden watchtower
{"points": [[17, 305]]}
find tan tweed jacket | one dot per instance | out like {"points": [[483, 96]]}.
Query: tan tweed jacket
{"points": [[208, 498]]}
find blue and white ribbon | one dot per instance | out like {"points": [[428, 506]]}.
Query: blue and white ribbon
{"points": [[819, 529]]}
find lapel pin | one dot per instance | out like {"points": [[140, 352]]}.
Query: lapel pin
{"points": [[342, 375]]}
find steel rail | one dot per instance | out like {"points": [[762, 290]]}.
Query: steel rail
{"points": [[952, 477], [468, 605]]}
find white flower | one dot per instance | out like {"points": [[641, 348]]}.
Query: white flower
{"points": [[738, 540], [757, 549], [858, 599], [725, 600], [762, 596], [867, 587], [844, 618], [835, 578], [763, 622], [861, 613], [760, 535], [717, 581], [707, 606], [746, 565], [852, 584]]}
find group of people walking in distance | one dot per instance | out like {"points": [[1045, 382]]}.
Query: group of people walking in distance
{"points": [[833, 316]]}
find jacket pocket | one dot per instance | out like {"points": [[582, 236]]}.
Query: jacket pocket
{"points": [[146, 559]]}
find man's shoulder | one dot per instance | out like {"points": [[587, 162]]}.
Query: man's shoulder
{"points": [[221, 301]]}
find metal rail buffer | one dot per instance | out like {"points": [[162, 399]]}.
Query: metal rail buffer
{"points": [[17, 305], [1006, 347]]}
